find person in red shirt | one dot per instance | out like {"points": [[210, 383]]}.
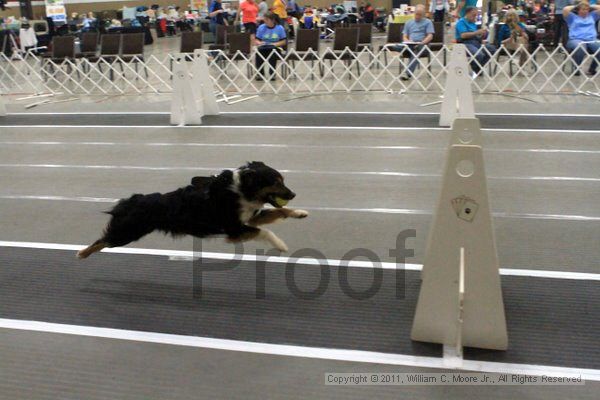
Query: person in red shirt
{"points": [[249, 11]]}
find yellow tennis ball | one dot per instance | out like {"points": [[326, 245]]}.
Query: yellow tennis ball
{"points": [[280, 202]]}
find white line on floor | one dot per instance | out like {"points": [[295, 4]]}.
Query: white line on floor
{"points": [[297, 351], [312, 113], [376, 210], [195, 144], [291, 171], [233, 128], [182, 255], [83, 199], [94, 113], [214, 170], [296, 128], [277, 145]]}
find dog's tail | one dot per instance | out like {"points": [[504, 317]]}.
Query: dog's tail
{"points": [[121, 208], [91, 249]]}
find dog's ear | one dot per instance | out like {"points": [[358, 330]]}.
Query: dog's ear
{"points": [[248, 177], [254, 164]]}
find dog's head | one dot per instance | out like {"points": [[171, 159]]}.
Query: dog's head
{"points": [[259, 182]]}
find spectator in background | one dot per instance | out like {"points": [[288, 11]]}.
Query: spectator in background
{"points": [[473, 38], [215, 12], [263, 9], [249, 9], [560, 26], [280, 9], [75, 21], [417, 33], [582, 21], [89, 22], [309, 20], [368, 14], [292, 8], [513, 35], [270, 40], [439, 8], [462, 5]]}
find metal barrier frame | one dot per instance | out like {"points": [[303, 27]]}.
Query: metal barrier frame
{"points": [[543, 72]]}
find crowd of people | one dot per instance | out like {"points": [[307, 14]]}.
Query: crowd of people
{"points": [[580, 31], [575, 26]]}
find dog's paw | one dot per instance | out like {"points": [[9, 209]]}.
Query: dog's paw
{"points": [[280, 245], [277, 243], [299, 214], [274, 240]]}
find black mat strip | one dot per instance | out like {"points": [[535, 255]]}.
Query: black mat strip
{"points": [[324, 120], [551, 321]]}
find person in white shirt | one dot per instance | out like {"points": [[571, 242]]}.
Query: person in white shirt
{"points": [[27, 37], [439, 8]]}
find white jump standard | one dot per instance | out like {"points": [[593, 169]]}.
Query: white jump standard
{"points": [[458, 99], [460, 302]]}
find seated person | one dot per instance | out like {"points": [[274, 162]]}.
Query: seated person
{"points": [[513, 34], [339, 14], [417, 33], [308, 20], [583, 37], [89, 23], [270, 40], [474, 40], [369, 14]]}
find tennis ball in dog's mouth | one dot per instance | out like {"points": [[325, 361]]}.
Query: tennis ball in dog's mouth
{"points": [[280, 202]]}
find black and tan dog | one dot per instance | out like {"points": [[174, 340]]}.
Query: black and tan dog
{"points": [[230, 203]]}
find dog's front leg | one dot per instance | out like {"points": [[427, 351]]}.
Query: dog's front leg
{"points": [[253, 233], [271, 215]]}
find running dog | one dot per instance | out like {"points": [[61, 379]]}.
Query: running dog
{"points": [[230, 203]]}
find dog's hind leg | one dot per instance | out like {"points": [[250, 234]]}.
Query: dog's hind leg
{"points": [[270, 216], [91, 249], [252, 233]]}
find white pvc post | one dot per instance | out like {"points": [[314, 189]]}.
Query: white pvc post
{"points": [[184, 107], [462, 232], [458, 99], [203, 83], [2, 107]]}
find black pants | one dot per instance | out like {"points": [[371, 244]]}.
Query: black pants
{"points": [[438, 15], [271, 55], [560, 29], [250, 27]]}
